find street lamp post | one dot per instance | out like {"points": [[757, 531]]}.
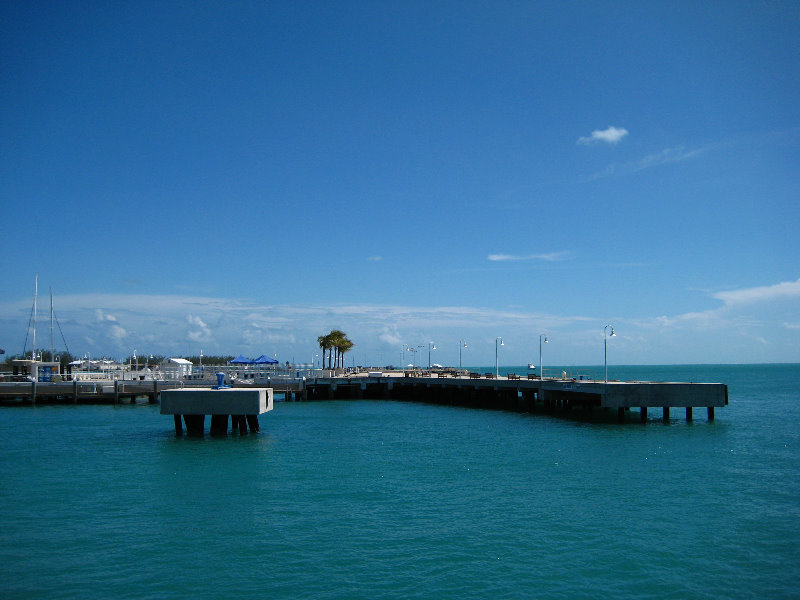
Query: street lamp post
{"points": [[605, 346], [431, 346], [496, 359], [541, 367], [461, 344], [413, 350]]}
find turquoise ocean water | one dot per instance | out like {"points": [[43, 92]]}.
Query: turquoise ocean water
{"points": [[377, 499]]}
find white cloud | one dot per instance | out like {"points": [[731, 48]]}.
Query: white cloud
{"points": [[199, 332], [611, 135], [549, 256], [102, 317], [391, 336], [117, 333], [375, 258], [786, 289]]}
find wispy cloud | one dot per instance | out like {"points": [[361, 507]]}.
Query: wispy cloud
{"points": [[733, 309], [785, 289], [611, 135], [375, 258], [664, 157], [548, 256]]}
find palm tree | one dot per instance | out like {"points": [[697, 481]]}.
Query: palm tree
{"points": [[337, 337], [325, 345], [336, 341], [344, 346]]}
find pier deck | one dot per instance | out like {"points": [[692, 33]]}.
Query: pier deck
{"points": [[517, 394]]}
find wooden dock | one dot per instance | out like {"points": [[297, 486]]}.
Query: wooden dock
{"points": [[528, 394]]}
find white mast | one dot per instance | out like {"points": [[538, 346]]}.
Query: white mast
{"points": [[35, 295], [52, 335]]}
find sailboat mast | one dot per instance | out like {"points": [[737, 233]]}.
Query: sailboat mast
{"points": [[35, 295], [52, 335]]}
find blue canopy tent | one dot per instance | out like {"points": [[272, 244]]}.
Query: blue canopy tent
{"points": [[241, 360], [265, 360]]}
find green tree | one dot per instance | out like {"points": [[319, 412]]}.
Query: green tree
{"points": [[325, 345], [342, 347], [336, 344]]}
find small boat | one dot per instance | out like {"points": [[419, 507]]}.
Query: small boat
{"points": [[531, 366]]}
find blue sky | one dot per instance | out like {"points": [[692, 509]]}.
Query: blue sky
{"points": [[243, 177]]}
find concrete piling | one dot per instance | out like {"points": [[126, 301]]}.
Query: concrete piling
{"points": [[252, 422], [195, 424], [219, 424]]}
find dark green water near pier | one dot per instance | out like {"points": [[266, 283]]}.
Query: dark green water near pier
{"points": [[374, 499]]}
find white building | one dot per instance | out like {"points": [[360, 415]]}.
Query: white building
{"points": [[176, 368]]}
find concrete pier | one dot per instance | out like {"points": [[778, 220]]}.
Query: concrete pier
{"points": [[526, 395], [242, 404]]}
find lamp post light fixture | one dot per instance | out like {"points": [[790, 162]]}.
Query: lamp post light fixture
{"points": [[541, 367], [461, 344], [605, 346], [414, 355], [496, 359], [431, 346]]}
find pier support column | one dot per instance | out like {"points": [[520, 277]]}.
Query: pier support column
{"points": [[643, 414], [178, 425], [666, 413], [195, 424], [154, 398], [252, 422], [710, 413], [219, 424], [75, 391], [621, 414], [116, 391], [239, 422], [688, 414]]}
